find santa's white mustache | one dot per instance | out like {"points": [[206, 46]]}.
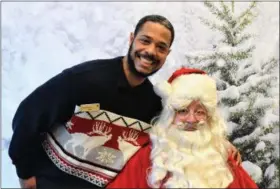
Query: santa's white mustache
{"points": [[186, 125]]}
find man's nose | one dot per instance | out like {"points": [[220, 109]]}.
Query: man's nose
{"points": [[151, 49], [190, 118]]}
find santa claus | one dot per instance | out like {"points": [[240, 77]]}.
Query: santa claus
{"points": [[188, 147]]}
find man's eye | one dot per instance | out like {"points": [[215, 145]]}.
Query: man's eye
{"points": [[145, 41], [162, 48]]}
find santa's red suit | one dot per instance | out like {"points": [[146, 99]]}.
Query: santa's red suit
{"points": [[134, 174]]}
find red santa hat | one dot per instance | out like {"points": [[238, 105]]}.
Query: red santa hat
{"points": [[185, 85]]}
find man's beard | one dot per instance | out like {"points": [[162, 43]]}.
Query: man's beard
{"points": [[190, 156], [131, 64]]}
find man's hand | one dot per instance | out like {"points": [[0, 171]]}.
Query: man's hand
{"points": [[234, 153], [29, 183]]}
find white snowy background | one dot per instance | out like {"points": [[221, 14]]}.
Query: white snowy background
{"points": [[40, 39]]}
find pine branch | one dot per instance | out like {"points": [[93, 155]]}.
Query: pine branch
{"points": [[245, 77], [269, 66], [229, 38], [229, 102], [194, 59], [260, 86], [243, 38], [225, 8], [211, 68], [209, 57], [228, 73], [222, 85], [214, 10], [243, 24], [245, 19], [228, 16], [228, 57], [253, 5], [243, 54], [211, 25], [229, 30]]}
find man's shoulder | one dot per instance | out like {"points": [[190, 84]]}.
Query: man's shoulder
{"points": [[95, 66], [156, 97]]}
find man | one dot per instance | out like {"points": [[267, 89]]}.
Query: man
{"points": [[188, 146], [116, 90]]}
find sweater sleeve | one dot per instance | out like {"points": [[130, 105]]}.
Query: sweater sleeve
{"points": [[134, 174], [48, 104]]}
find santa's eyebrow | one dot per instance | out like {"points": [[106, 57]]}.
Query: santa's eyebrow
{"points": [[200, 107]]}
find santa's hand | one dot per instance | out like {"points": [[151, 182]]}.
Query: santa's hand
{"points": [[237, 156], [232, 151]]}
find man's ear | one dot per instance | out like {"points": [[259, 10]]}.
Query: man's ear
{"points": [[131, 38], [169, 51]]}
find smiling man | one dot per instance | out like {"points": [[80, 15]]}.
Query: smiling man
{"points": [[149, 47], [54, 146]]}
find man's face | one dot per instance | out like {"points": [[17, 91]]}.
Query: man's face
{"points": [[189, 117], [148, 49]]}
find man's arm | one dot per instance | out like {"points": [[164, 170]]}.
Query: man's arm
{"points": [[48, 104]]}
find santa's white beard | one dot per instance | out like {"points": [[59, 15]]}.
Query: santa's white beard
{"points": [[193, 159]]}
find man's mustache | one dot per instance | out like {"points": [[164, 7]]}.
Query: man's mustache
{"points": [[148, 56]]}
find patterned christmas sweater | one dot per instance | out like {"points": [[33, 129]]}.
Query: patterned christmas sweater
{"points": [[96, 145]]}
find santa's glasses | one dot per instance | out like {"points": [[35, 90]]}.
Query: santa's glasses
{"points": [[199, 114]]}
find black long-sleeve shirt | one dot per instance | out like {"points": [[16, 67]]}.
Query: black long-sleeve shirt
{"points": [[98, 81]]}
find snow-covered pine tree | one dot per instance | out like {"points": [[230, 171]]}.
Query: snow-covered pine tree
{"points": [[256, 131], [234, 46], [246, 90]]}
